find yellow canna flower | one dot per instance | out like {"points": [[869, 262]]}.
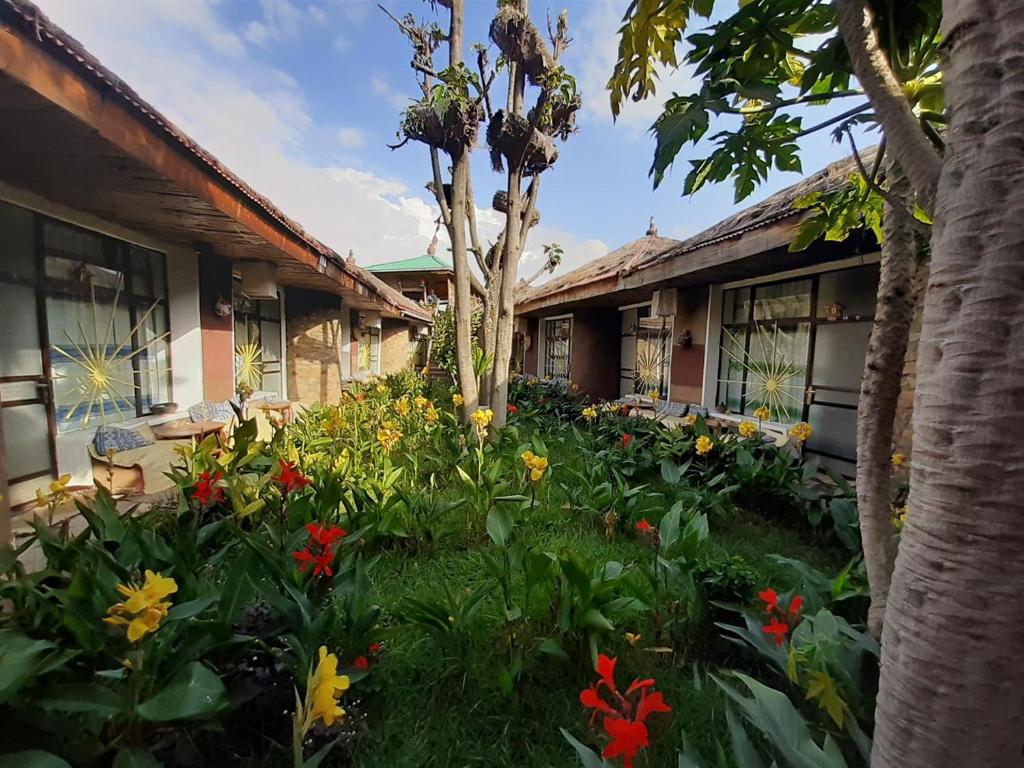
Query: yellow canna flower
{"points": [[323, 688], [421, 402], [704, 445], [402, 406], [898, 459], [144, 608], [482, 417], [653, 394], [457, 400], [388, 436], [430, 415], [632, 639], [762, 413], [690, 419], [425, 371], [747, 429], [801, 431], [589, 413]]}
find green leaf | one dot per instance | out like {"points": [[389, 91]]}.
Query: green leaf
{"points": [[237, 588], [92, 698], [669, 471], [594, 619], [588, 757], [552, 647], [32, 758], [668, 531], [194, 692], [499, 525], [192, 608], [135, 758]]}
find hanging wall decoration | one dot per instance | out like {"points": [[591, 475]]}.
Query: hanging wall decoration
{"points": [[97, 379]]}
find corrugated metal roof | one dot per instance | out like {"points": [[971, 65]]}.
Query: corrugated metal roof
{"points": [[426, 263]]}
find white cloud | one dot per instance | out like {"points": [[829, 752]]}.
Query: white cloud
{"points": [[351, 138], [281, 22], [593, 58], [382, 87], [255, 119]]}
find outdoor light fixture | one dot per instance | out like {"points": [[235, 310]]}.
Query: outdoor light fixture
{"points": [[222, 307]]}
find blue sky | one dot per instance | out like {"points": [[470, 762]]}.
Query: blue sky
{"points": [[301, 98]]}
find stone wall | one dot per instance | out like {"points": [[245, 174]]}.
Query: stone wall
{"points": [[395, 349], [314, 345]]}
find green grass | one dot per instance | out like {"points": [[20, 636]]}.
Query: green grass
{"points": [[428, 711]]}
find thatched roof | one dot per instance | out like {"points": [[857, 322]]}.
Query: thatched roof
{"points": [[652, 250], [609, 265], [773, 208]]}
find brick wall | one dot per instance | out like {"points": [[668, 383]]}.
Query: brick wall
{"points": [[314, 345], [687, 377], [395, 351]]}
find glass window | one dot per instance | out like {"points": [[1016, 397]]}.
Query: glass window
{"points": [[108, 327], [848, 294], [258, 321], [557, 342], [369, 349], [736, 306], [782, 300]]}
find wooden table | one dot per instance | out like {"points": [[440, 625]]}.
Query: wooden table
{"points": [[183, 430], [283, 408]]}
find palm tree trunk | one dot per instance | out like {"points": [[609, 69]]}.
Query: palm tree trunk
{"points": [[952, 685], [880, 389]]}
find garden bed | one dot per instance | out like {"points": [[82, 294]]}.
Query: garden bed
{"points": [[463, 586]]}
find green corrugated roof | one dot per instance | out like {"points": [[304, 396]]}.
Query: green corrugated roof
{"points": [[425, 263]]}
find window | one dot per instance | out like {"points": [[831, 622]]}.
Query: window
{"points": [[258, 321], [557, 341], [369, 349], [764, 348], [798, 347], [652, 353], [107, 322]]}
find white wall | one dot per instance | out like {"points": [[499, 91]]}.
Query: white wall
{"points": [[183, 305]]}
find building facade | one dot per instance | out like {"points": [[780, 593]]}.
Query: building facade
{"points": [[729, 319], [137, 271]]}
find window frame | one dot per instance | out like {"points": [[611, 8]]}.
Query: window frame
{"points": [[548, 339], [117, 254]]}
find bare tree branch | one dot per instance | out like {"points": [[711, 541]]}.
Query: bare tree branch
{"points": [[910, 146], [435, 164], [474, 237]]}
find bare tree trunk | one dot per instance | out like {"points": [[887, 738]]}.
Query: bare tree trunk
{"points": [[952, 686], [489, 327], [506, 298], [908, 143], [880, 389], [457, 234]]}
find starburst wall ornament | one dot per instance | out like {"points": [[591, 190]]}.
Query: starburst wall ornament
{"points": [[770, 379], [97, 380]]}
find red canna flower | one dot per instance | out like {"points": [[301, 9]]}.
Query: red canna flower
{"points": [[304, 557], [512, 410], [207, 492], [770, 598], [374, 648], [291, 479], [628, 738], [794, 608], [361, 662], [778, 628], [644, 527], [626, 440], [624, 716], [323, 535], [323, 562]]}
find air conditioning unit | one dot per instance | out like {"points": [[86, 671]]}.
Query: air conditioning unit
{"points": [[258, 279], [664, 302]]}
